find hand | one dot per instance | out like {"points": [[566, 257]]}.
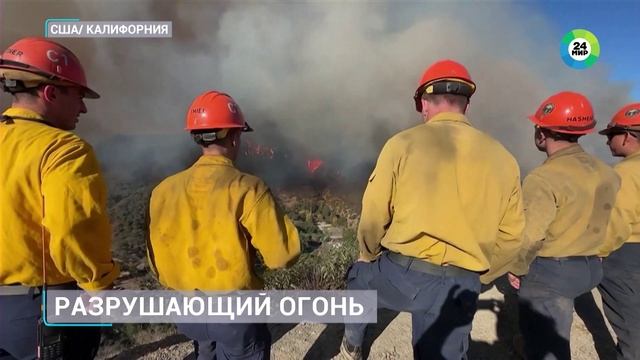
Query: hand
{"points": [[514, 281]]}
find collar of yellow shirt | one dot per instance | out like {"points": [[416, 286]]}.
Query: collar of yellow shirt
{"points": [[22, 113], [570, 150], [214, 160], [450, 116], [632, 156]]}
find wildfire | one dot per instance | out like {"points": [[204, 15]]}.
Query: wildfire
{"points": [[314, 164], [254, 151], [259, 150]]}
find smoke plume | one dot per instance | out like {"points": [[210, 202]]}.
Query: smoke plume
{"points": [[331, 80]]}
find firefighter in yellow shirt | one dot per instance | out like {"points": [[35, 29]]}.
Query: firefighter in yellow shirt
{"points": [[207, 222], [54, 228], [442, 208], [620, 286], [567, 201]]}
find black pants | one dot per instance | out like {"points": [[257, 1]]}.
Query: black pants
{"points": [[19, 315], [620, 289]]}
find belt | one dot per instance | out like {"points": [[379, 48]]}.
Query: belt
{"points": [[6, 290], [569, 258], [429, 268]]}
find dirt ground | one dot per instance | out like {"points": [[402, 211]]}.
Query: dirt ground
{"points": [[492, 336]]}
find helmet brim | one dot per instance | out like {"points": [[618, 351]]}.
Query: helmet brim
{"points": [[607, 131], [563, 130], [43, 78], [244, 128], [534, 120], [90, 94], [618, 129]]}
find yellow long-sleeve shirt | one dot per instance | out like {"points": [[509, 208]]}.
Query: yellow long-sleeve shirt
{"points": [[207, 222], [41, 163], [445, 193], [567, 201], [625, 216]]}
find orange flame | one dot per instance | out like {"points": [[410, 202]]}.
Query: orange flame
{"points": [[314, 164]]}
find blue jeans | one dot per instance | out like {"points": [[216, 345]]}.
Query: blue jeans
{"points": [[546, 301], [441, 307], [620, 289]]}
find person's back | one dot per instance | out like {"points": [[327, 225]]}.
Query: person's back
{"points": [[209, 206], [441, 209], [584, 189], [567, 201], [207, 224], [449, 206]]}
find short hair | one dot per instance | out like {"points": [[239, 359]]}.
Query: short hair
{"points": [[572, 138], [26, 95], [29, 94], [459, 101]]}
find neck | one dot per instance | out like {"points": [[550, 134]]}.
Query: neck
{"points": [[37, 108], [216, 150], [430, 115], [555, 146], [632, 151]]}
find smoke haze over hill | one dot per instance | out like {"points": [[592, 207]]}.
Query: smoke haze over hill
{"points": [[330, 80]]}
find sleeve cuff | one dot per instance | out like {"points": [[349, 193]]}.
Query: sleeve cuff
{"points": [[367, 256]]}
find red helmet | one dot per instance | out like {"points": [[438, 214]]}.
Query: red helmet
{"points": [[36, 60], [626, 119], [444, 77], [215, 110], [565, 112]]}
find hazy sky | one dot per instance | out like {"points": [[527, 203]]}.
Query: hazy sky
{"points": [[335, 79]]}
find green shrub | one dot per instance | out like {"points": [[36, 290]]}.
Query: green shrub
{"points": [[324, 269]]}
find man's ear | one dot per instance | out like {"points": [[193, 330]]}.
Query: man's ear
{"points": [[424, 106], [626, 137], [235, 138], [540, 136], [545, 135], [49, 93]]}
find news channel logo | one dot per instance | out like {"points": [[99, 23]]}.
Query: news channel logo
{"points": [[580, 49]]}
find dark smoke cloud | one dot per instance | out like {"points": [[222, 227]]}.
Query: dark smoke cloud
{"points": [[328, 79]]}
